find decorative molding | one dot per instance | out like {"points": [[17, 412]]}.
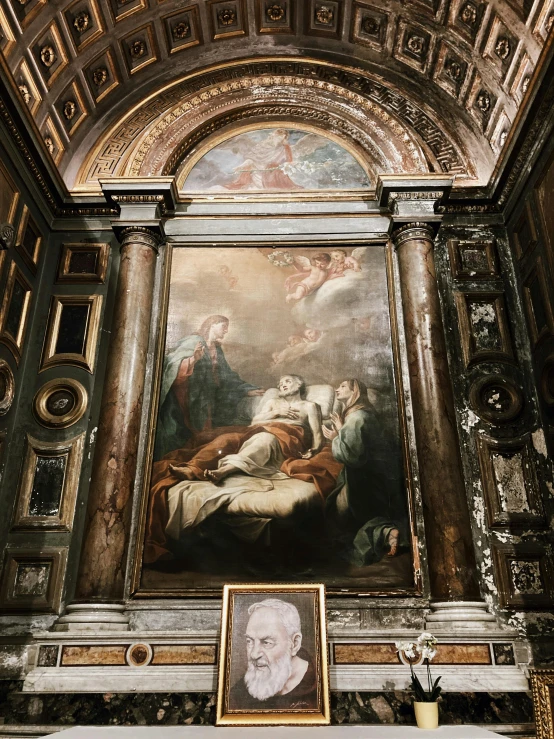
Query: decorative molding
{"points": [[78, 331], [359, 89], [29, 240], [542, 685], [496, 399], [85, 263], [484, 328], [524, 576], [48, 484], [7, 387], [139, 235], [511, 487], [32, 579], [473, 260], [410, 231], [60, 403], [14, 312]]}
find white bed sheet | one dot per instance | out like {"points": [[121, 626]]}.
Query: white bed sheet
{"points": [[250, 502]]}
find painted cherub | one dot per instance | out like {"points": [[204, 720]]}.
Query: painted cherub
{"points": [[340, 262], [311, 276]]}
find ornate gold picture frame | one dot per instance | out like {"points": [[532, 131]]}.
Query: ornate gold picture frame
{"points": [[29, 240], [48, 484], [273, 656], [72, 332], [542, 685], [14, 312], [86, 263]]}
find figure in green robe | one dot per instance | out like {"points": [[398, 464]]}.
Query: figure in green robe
{"points": [[366, 499], [199, 389]]}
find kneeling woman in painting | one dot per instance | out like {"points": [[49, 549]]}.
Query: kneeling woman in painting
{"points": [[362, 501]]}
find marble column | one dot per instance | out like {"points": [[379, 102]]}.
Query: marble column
{"points": [[452, 567], [101, 578]]}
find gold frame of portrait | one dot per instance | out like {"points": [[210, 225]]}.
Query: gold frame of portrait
{"points": [[317, 717], [542, 683], [140, 591]]}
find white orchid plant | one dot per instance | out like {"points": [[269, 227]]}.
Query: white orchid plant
{"points": [[421, 652]]}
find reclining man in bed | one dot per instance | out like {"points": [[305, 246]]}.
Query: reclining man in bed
{"points": [[281, 451], [262, 454]]}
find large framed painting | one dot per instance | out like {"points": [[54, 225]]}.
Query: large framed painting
{"points": [[278, 443]]}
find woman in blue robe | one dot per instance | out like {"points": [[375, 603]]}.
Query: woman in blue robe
{"points": [[199, 389], [367, 502]]}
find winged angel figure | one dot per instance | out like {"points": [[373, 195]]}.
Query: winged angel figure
{"points": [[312, 273], [271, 164]]}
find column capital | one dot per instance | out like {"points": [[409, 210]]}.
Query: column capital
{"points": [[140, 200], [140, 235], [413, 198], [415, 230]]}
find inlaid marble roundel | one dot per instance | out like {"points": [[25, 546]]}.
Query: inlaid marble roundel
{"points": [[496, 399], [60, 403], [274, 159]]}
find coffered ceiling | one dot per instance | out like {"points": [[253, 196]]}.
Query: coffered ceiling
{"points": [[439, 81]]}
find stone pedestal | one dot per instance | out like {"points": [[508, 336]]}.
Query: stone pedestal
{"points": [[100, 583]]}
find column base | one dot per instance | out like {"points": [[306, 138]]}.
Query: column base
{"points": [[460, 617], [93, 617]]}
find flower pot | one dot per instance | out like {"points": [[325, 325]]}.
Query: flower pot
{"points": [[427, 715]]}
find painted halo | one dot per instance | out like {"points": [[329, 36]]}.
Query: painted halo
{"points": [[7, 387], [60, 403], [496, 399]]}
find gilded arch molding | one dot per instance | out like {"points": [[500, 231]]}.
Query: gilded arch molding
{"points": [[363, 109]]}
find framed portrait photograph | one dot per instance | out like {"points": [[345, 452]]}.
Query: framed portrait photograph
{"points": [[273, 656]]}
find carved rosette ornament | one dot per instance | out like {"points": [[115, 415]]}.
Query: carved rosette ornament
{"points": [[25, 94], [371, 25], [137, 48], [525, 83], [324, 15], [454, 70], [69, 109], [48, 55], [49, 145], [275, 12], [416, 44], [226, 17], [549, 23], [180, 30], [483, 101], [503, 48], [82, 22], [468, 14], [7, 235], [100, 76]]}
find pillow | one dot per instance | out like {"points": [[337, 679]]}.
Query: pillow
{"points": [[324, 396]]}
